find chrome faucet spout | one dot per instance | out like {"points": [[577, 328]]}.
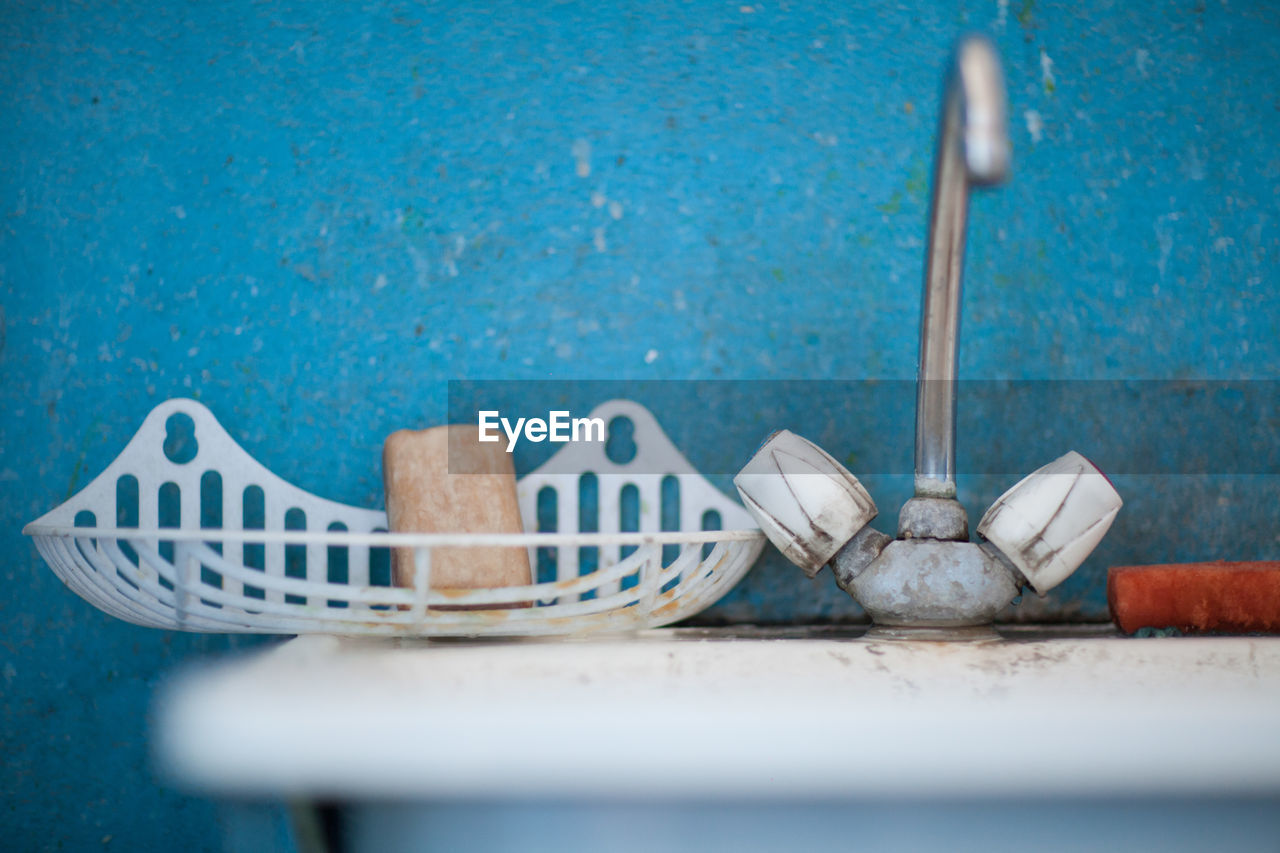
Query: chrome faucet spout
{"points": [[972, 149]]}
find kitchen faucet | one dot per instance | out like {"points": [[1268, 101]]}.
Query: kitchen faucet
{"points": [[932, 580]]}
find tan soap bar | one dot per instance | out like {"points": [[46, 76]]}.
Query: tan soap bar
{"points": [[443, 480]]}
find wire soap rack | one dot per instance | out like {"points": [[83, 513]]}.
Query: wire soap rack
{"points": [[234, 548]]}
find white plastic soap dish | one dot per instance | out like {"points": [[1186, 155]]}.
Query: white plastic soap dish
{"points": [[207, 539]]}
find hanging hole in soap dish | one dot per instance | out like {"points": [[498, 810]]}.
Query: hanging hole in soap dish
{"points": [[180, 444], [620, 447]]}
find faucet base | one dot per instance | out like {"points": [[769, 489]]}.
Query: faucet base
{"points": [[906, 633], [931, 583]]}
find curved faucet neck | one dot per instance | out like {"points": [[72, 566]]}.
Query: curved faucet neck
{"points": [[972, 148]]}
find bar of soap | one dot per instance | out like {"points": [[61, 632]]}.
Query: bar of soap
{"points": [[443, 480], [1223, 597]]}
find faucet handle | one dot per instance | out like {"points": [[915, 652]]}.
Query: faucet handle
{"points": [[1049, 522], [806, 502]]}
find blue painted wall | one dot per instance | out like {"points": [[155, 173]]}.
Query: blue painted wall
{"points": [[311, 216]]}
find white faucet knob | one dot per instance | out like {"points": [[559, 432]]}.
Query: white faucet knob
{"points": [[1048, 523], [807, 503]]}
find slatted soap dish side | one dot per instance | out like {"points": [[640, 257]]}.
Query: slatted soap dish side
{"points": [[278, 559]]}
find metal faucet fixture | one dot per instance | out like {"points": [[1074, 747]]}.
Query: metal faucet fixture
{"points": [[932, 576]]}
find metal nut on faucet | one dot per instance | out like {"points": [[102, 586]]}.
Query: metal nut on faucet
{"points": [[806, 502], [1048, 523]]}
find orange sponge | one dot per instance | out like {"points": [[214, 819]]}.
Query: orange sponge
{"points": [[1197, 597]]}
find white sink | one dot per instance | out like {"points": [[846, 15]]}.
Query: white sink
{"points": [[720, 714]]}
